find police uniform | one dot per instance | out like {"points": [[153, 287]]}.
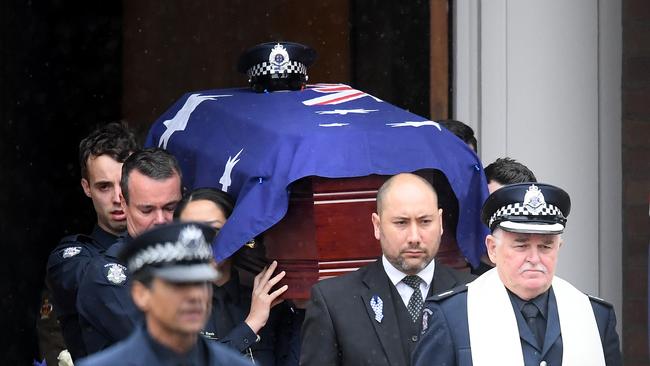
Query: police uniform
{"points": [[106, 311], [278, 342], [454, 333], [177, 253], [140, 350], [66, 266]]}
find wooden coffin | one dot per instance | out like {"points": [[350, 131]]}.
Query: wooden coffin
{"points": [[328, 231]]}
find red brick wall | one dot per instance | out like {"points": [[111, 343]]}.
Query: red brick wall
{"points": [[636, 179]]}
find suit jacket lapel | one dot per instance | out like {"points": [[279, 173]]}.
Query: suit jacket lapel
{"points": [[388, 330], [552, 323]]}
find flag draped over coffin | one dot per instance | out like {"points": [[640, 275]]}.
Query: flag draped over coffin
{"points": [[254, 145]]}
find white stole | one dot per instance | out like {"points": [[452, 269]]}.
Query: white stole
{"points": [[494, 336]]}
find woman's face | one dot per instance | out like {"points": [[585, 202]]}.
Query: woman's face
{"points": [[204, 211]]}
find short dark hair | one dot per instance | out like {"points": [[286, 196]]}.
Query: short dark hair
{"points": [[220, 198], [508, 171], [461, 130], [113, 139], [153, 162]]}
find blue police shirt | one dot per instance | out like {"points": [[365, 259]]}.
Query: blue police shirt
{"points": [[107, 313], [66, 266]]}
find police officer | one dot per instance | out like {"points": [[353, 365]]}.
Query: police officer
{"points": [[101, 155], [520, 313], [171, 285], [150, 191]]}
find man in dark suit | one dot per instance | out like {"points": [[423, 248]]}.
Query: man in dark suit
{"points": [[520, 313], [372, 316], [172, 286]]}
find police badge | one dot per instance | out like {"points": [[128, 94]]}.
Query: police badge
{"points": [[191, 238], [534, 200], [278, 59], [116, 273], [71, 252]]}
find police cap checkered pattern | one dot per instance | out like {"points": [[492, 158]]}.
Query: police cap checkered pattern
{"points": [[177, 252]]}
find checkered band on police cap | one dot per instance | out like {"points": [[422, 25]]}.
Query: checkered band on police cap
{"points": [[169, 245], [518, 209], [265, 68]]}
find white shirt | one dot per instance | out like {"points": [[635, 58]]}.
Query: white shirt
{"points": [[405, 291]]}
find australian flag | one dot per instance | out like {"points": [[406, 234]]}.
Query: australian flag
{"points": [[254, 145]]}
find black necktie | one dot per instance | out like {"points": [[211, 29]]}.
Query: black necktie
{"points": [[415, 302], [531, 314]]}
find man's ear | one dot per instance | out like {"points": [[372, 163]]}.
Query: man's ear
{"points": [[442, 230], [86, 186], [141, 295], [491, 246], [376, 221]]}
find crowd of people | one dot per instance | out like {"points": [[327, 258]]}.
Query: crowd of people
{"points": [[143, 287]]}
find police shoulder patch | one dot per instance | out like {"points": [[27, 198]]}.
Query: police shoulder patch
{"points": [[449, 293], [70, 252], [600, 301], [115, 273]]}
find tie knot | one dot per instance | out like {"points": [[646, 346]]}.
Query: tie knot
{"points": [[412, 281], [530, 310]]}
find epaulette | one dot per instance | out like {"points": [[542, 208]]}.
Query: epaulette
{"points": [[600, 301], [76, 238], [448, 293]]}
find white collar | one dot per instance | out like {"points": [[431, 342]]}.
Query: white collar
{"points": [[395, 275]]}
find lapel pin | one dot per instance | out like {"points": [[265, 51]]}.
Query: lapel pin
{"points": [[377, 306]]}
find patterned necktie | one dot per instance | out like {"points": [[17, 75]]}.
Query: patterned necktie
{"points": [[531, 313], [415, 302]]}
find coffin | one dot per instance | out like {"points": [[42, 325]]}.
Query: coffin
{"points": [[327, 231], [304, 167]]}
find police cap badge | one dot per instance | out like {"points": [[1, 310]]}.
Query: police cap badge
{"points": [[277, 65], [527, 208]]}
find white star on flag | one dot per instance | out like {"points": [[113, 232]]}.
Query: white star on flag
{"points": [[414, 124], [332, 124], [346, 111]]}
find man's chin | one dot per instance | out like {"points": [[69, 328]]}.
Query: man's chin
{"points": [[413, 266], [118, 227]]}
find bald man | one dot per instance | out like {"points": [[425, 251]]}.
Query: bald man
{"points": [[372, 316]]}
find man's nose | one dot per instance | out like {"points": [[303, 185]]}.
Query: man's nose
{"points": [[413, 233], [533, 255], [160, 217], [116, 194], [198, 291]]}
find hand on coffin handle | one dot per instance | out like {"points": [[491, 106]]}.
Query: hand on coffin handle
{"points": [[263, 299]]}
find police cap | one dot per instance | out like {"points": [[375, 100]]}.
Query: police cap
{"points": [[534, 208], [277, 65], [177, 252]]}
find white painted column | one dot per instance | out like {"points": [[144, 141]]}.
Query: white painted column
{"points": [[542, 85]]}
